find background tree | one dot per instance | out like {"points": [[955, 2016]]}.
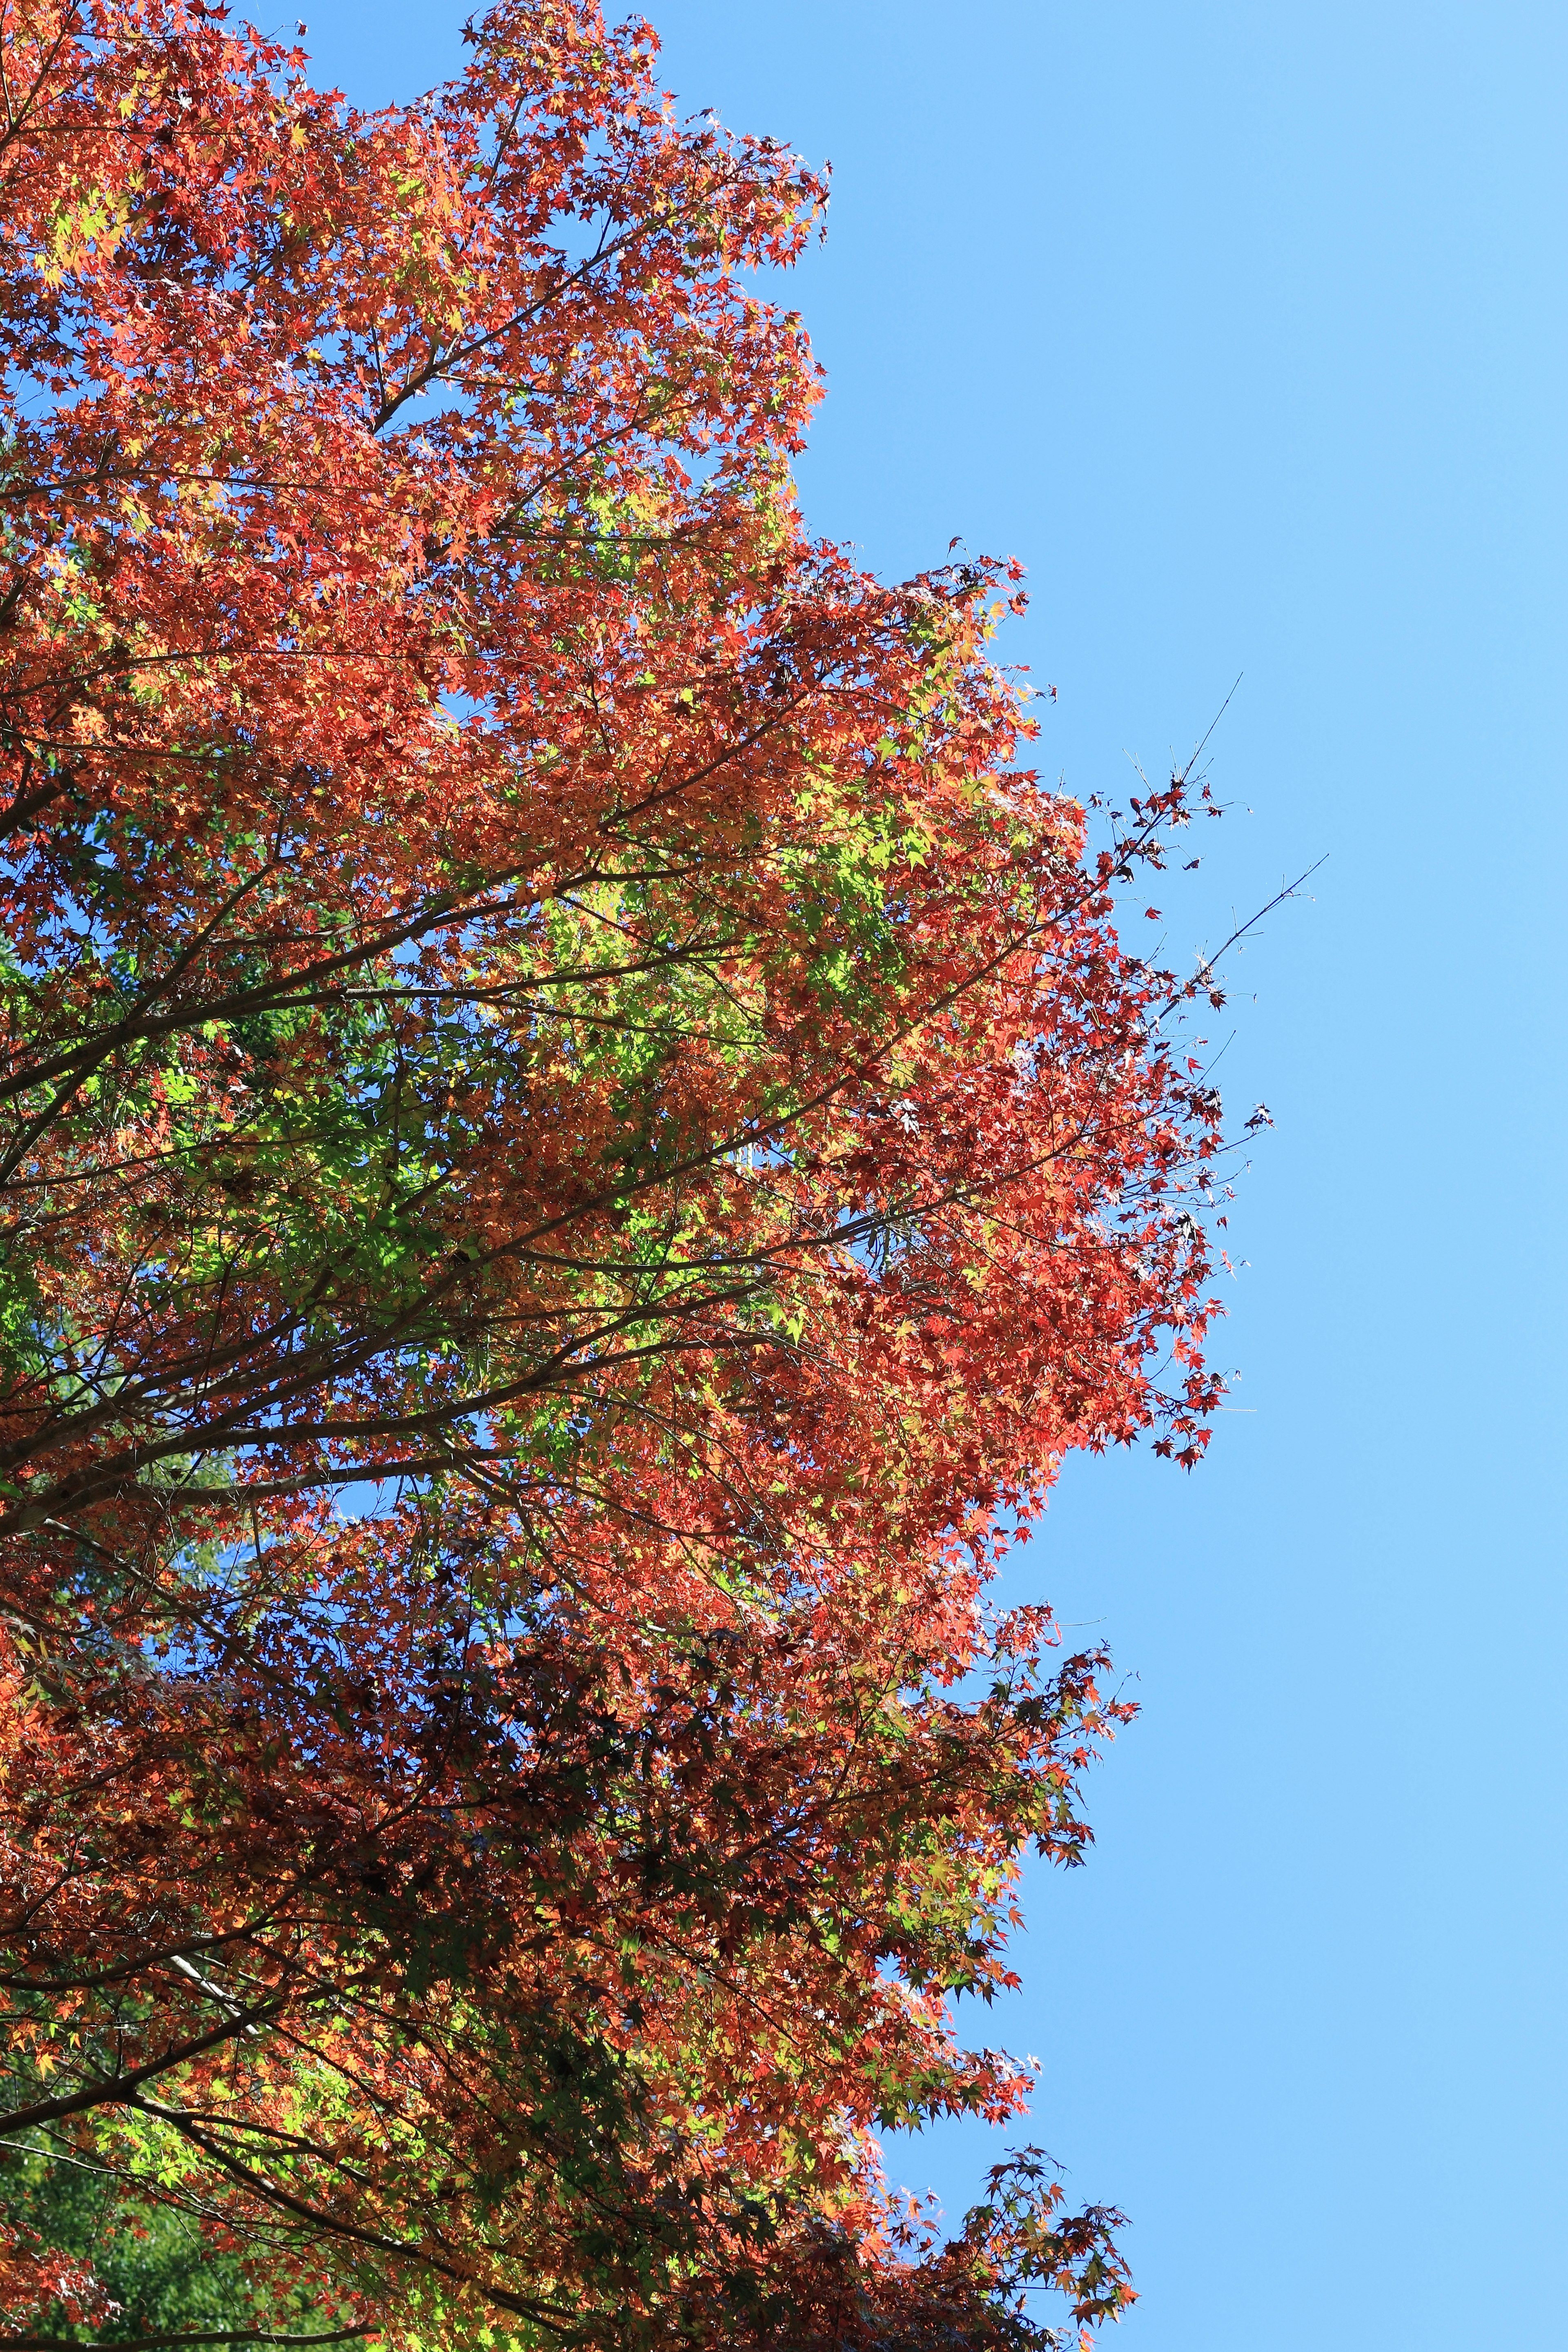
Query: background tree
{"points": [[578, 1145]]}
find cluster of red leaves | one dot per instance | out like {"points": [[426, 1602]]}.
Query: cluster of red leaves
{"points": [[577, 1144], [38, 2284]]}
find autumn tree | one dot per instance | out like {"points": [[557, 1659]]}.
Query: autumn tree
{"points": [[578, 1144]]}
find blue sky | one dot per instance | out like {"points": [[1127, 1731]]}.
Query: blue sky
{"points": [[1244, 326]]}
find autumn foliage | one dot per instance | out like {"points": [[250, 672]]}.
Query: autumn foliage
{"points": [[578, 1144]]}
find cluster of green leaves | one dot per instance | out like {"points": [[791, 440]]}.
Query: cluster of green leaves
{"points": [[162, 2274]]}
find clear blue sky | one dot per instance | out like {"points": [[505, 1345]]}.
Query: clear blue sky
{"points": [[1243, 325]]}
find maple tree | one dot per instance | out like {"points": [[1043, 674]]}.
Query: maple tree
{"points": [[579, 1143]]}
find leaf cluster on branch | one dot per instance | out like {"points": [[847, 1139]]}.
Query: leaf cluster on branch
{"points": [[576, 1145]]}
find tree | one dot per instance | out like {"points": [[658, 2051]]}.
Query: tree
{"points": [[579, 1145]]}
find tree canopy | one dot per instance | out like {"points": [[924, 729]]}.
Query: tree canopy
{"points": [[577, 1143]]}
